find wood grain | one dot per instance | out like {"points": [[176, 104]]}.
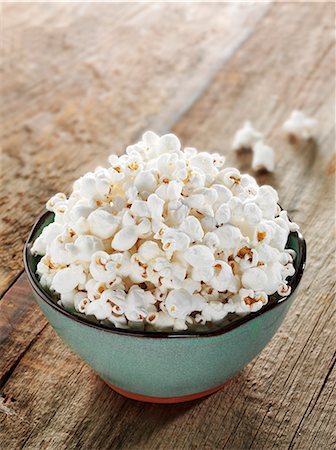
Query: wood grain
{"points": [[88, 79]]}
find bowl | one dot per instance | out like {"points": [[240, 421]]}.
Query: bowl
{"points": [[165, 367]]}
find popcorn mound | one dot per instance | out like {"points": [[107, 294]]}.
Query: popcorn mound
{"points": [[165, 239]]}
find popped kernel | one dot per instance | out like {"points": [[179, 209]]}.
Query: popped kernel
{"points": [[300, 125]]}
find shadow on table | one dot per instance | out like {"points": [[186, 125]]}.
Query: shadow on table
{"points": [[137, 422]]}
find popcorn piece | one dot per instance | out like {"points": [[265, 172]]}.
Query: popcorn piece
{"points": [[300, 126], [292, 226], [254, 278], [125, 238], [155, 207], [102, 223], [173, 240], [267, 200], [215, 311], [223, 214], [99, 308], [263, 157], [248, 301], [102, 268], [170, 191], [67, 279], [161, 321], [199, 256], [202, 274], [192, 227], [177, 213], [229, 236], [180, 303], [55, 201], [49, 233], [167, 239], [211, 240], [169, 143], [284, 290], [223, 278], [252, 213], [246, 137], [136, 301], [145, 181], [83, 248]]}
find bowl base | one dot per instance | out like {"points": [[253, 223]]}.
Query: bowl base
{"points": [[149, 399]]}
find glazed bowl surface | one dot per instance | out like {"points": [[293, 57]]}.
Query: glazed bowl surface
{"points": [[165, 367]]}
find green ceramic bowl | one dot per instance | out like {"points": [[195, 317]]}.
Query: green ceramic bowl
{"points": [[165, 367]]}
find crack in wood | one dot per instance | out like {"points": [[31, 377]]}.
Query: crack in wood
{"points": [[11, 284], [6, 376], [313, 402]]}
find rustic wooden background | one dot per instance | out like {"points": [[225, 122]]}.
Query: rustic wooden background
{"points": [[80, 81]]}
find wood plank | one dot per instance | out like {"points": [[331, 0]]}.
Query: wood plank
{"points": [[21, 322], [85, 80], [284, 398]]}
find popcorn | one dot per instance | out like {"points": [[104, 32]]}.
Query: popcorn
{"points": [[100, 309], [223, 214], [49, 233], [199, 256], [83, 247], [161, 321], [171, 274], [248, 301], [223, 278], [180, 303], [254, 278], [169, 143], [300, 126], [215, 311], [252, 213], [167, 238], [55, 201], [155, 207], [170, 191], [246, 137], [177, 213], [263, 157], [145, 182], [211, 240], [284, 290], [202, 274], [102, 267], [229, 236], [47, 270], [267, 200], [135, 304], [67, 279], [173, 240], [102, 223], [125, 238], [193, 228]]}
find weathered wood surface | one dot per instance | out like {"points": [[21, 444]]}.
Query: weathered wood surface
{"points": [[80, 81]]}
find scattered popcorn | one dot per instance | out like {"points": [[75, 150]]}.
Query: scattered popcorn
{"points": [[246, 137], [263, 157], [300, 126], [167, 238]]}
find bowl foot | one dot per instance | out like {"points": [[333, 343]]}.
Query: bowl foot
{"points": [[149, 399]]}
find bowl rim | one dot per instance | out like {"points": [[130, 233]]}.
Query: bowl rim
{"points": [[46, 297]]}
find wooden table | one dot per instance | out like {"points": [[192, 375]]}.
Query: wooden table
{"points": [[80, 81]]}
